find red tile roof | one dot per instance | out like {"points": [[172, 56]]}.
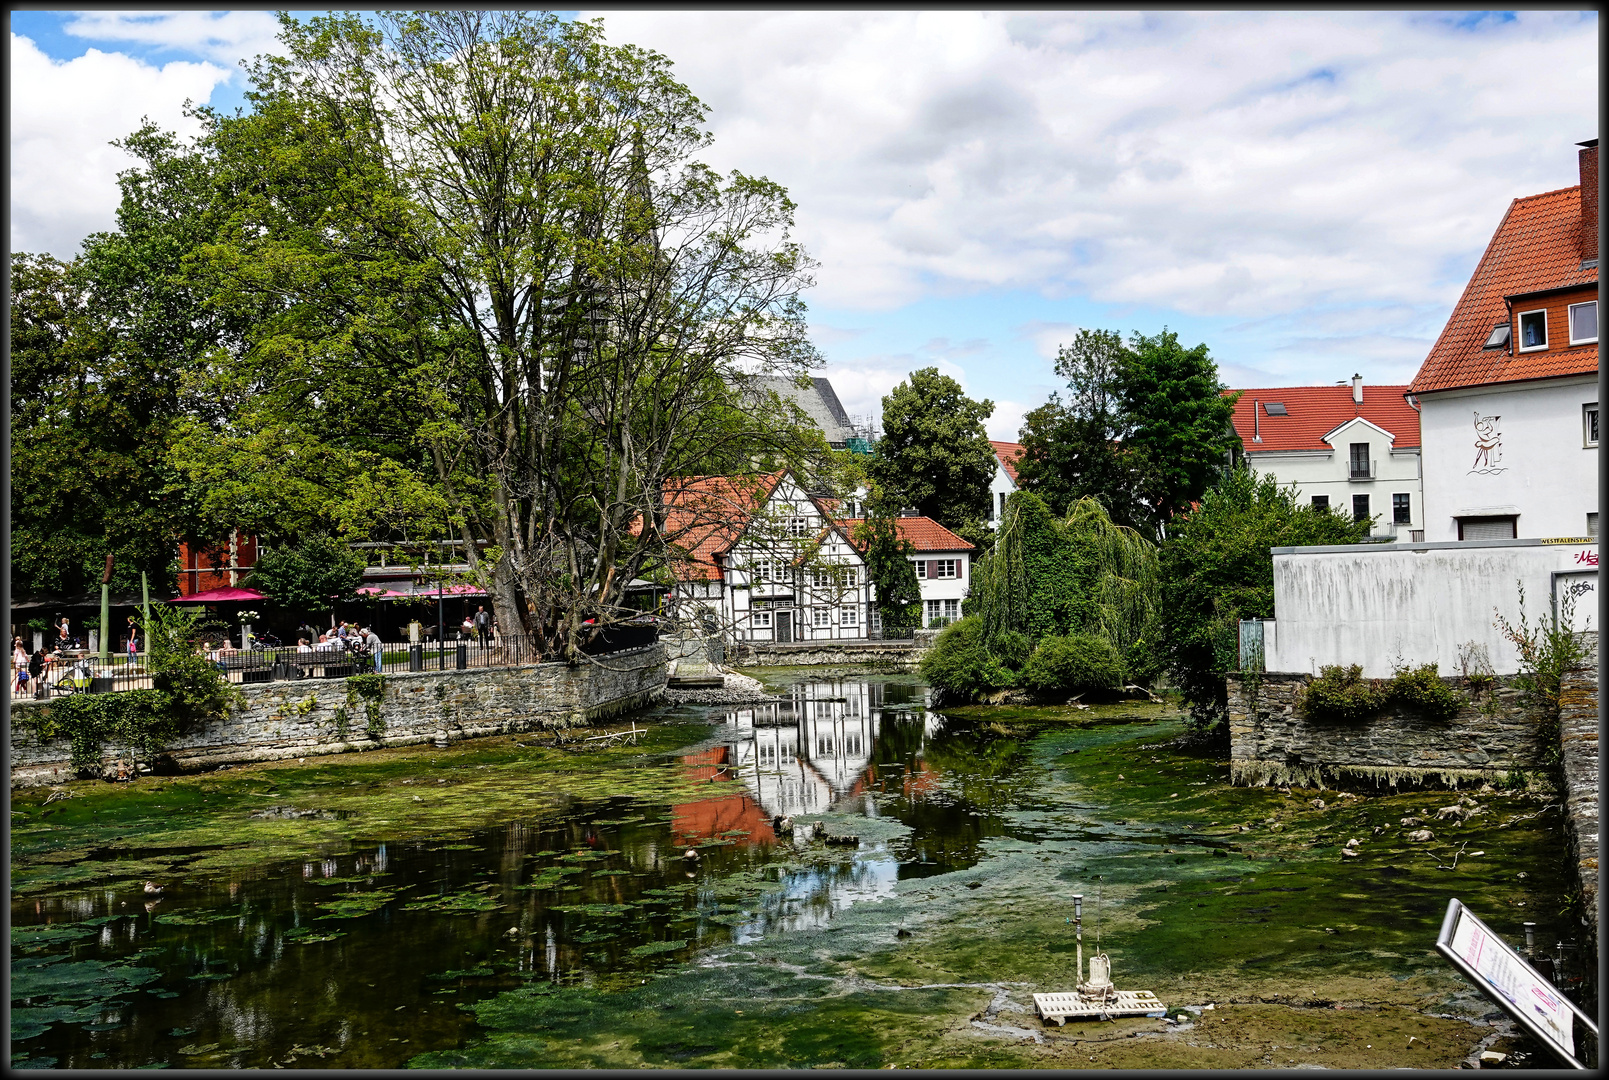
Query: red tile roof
{"points": [[1315, 411], [1536, 247], [1008, 453], [707, 515], [923, 533]]}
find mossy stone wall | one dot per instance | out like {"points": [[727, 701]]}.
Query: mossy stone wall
{"points": [[315, 716], [1578, 743], [887, 655], [1271, 742]]}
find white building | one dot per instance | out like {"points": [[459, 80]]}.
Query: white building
{"points": [[1004, 483], [1352, 448], [1508, 396], [768, 561]]}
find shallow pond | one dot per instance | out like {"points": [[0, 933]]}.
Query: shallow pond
{"points": [[507, 903]]}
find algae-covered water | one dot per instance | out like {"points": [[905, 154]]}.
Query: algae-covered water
{"points": [[508, 903]]}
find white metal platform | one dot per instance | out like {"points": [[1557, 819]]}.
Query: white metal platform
{"points": [[1064, 1007]]}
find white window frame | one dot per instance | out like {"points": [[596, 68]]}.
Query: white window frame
{"points": [[1519, 338], [952, 609], [921, 568], [953, 566], [931, 611], [849, 615], [761, 619], [851, 578], [1570, 318], [798, 527], [820, 616], [1589, 415]]}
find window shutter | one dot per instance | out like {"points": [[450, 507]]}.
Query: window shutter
{"points": [[932, 568]]}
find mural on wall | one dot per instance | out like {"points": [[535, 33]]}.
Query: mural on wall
{"points": [[1488, 446]]}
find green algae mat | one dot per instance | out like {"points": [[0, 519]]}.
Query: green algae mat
{"points": [[505, 904]]}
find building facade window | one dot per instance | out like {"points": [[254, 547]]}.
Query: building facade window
{"points": [[821, 616], [1360, 461], [1533, 330], [1486, 528], [1402, 509], [1321, 502], [1003, 505], [1360, 508], [933, 610], [952, 609], [1584, 323], [1592, 525], [761, 620], [921, 569], [798, 526], [849, 616], [945, 568], [1589, 424]]}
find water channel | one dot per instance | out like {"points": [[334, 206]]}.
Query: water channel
{"points": [[506, 903]]}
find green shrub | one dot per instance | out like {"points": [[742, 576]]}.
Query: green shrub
{"points": [[1342, 693], [1011, 648], [1079, 662], [959, 665], [1422, 690]]}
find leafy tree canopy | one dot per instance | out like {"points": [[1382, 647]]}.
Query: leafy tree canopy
{"points": [[313, 575], [934, 454], [1216, 570]]}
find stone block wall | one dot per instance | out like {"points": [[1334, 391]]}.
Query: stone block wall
{"points": [[318, 716], [887, 655], [1579, 749], [1270, 742]]}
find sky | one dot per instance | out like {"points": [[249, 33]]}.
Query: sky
{"points": [[1307, 193]]}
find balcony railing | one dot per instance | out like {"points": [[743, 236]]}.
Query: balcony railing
{"points": [[1364, 470]]}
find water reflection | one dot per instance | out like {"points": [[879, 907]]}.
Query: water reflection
{"points": [[364, 952]]}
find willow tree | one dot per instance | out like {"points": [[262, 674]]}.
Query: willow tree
{"points": [[1078, 575], [488, 235]]}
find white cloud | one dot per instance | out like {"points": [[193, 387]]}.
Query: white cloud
{"points": [[1238, 163], [223, 36], [64, 115]]}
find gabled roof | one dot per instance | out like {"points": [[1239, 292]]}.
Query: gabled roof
{"points": [[923, 534], [1537, 247], [1316, 411], [1008, 453], [819, 401], [707, 514]]}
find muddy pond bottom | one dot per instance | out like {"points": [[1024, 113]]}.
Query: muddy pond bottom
{"points": [[845, 877]]}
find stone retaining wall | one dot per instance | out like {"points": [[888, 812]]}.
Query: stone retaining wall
{"points": [[318, 716], [1272, 743], [1578, 743], [887, 655]]}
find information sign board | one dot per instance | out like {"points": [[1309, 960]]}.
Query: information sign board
{"points": [[1513, 985]]}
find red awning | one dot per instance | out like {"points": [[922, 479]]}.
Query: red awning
{"points": [[213, 596]]}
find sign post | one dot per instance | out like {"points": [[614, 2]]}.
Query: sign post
{"points": [[1512, 984]]}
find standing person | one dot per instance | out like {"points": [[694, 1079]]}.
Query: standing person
{"points": [[19, 668], [483, 625], [133, 639], [64, 639], [372, 641], [38, 663]]}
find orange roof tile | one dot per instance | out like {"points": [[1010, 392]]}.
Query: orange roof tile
{"points": [[923, 533], [1008, 453], [1315, 411], [1537, 247], [707, 514]]}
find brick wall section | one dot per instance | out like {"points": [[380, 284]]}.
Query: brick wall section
{"points": [[1578, 737], [1589, 202], [1276, 745], [299, 719]]}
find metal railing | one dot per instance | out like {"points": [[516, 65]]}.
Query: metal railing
{"points": [[83, 673]]}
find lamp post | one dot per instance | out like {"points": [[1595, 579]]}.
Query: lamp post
{"points": [[106, 609]]}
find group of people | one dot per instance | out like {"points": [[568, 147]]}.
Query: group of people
{"points": [[34, 672], [346, 637]]}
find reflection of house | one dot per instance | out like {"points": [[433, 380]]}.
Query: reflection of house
{"points": [[1006, 455], [1508, 395], [1349, 448], [802, 755]]}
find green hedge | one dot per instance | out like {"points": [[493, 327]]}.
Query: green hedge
{"points": [[1076, 663]]}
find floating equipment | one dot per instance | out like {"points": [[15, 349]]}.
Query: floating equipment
{"points": [[1096, 997]]}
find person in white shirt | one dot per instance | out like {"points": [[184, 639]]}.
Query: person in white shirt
{"points": [[372, 641]]}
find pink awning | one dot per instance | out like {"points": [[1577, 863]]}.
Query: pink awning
{"points": [[212, 596], [406, 590]]}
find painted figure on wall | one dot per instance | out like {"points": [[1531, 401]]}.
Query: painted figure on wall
{"points": [[1488, 444]]}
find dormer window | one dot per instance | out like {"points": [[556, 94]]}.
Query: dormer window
{"points": [[1275, 408], [1533, 330], [1499, 338], [1584, 323]]}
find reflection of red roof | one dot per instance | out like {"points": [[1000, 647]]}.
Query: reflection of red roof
{"points": [[1315, 411], [707, 514], [923, 533], [1008, 453], [707, 819], [1537, 247]]}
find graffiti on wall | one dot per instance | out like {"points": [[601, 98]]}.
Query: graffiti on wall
{"points": [[1488, 446]]}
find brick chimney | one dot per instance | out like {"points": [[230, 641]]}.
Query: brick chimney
{"points": [[1589, 199]]}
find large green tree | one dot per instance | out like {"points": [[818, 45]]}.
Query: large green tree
{"points": [[1216, 570], [1144, 428], [934, 454], [498, 290]]}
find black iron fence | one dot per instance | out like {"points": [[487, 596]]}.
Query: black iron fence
{"points": [[84, 673]]}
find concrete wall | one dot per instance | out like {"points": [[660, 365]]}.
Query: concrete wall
{"points": [[300, 719], [896, 655], [1543, 471], [1369, 604], [1269, 742]]}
